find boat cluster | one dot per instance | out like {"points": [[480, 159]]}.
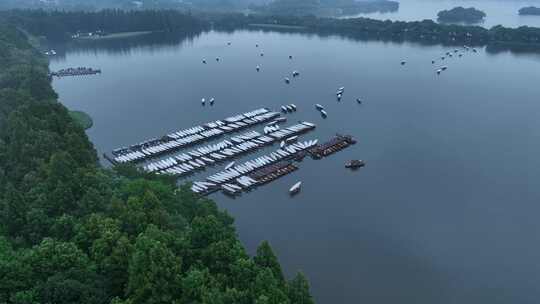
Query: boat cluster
{"points": [[211, 101], [320, 108], [50, 53], [451, 54], [339, 93], [271, 128], [206, 155], [186, 163], [288, 108], [75, 72], [183, 138], [237, 174]]}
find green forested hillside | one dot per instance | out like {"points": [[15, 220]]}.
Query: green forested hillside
{"points": [[72, 232]]}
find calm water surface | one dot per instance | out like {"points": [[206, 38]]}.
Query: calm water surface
{"points": [[504, 12], [446, 210]]}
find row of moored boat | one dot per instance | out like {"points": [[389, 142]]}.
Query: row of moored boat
{"points": [[186, 163], [235, 178], [180, 139]]}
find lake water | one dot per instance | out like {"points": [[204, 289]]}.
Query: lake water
{"points": [[446, 210], [504, 12]]}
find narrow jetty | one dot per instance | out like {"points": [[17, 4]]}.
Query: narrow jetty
{"points": [[174, 141], [335, 144], [80, 71], [226, 150]]}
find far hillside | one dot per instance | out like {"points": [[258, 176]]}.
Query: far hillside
{"points": [[325, 7]]}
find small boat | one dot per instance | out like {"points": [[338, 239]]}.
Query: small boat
{"points": [[295, 188], [284, 109], [355, 163], [358, 100], [203, 101], [403, 62], [262, 54], [444, 68], [439, 71], [229, 43], [204, 61], [256, 45], [282, 144], [290, 56], [338, 96], [341, 89], [442, 57], [289, 108], [432, 61], [287, 80], [230, 165], [217, 58], [212, 101], [291, 139], [323, 113], [319, 107], [293, 106], [257, 68], [280, 119], [474, 50]]}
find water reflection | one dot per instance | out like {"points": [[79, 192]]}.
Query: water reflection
{"points": [[151, 42]]}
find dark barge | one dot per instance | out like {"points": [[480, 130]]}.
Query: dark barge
{"points": [[269, 173], [334, 145]]}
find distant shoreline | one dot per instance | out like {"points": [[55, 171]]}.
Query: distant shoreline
{"points": [[278, 26], [115, 35]]}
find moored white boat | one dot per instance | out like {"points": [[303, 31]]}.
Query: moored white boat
{"points": [[295, 188]]}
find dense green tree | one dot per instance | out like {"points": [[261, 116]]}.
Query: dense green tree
{"points": [[155, 274], [72, 232], [266, 258], [299, 290]]}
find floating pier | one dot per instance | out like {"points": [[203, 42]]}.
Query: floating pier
{"points": [[80, 71], [181, 139]]}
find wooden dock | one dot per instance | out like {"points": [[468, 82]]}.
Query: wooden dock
{"points": [[339, 142], [272, 172], [80, 71]]}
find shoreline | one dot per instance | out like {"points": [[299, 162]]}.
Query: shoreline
{"points": [[115, 35]]}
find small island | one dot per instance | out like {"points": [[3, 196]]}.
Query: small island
{"points": [[82, 119], [461, 15], [529, 11]]}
